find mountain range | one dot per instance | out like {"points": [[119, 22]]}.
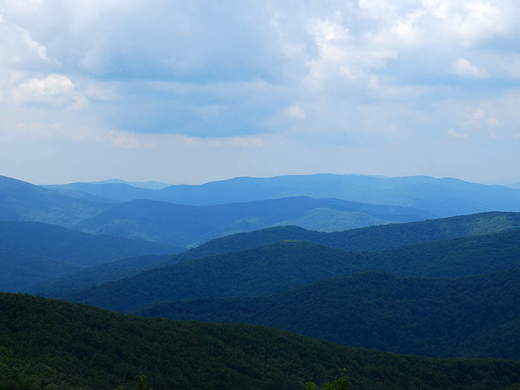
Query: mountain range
{"points": [[370, 239], [441, 197]]}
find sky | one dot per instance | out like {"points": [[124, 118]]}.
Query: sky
{"points": [[193, 91]]}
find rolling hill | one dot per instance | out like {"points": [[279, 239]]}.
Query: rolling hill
{"points": [[375, 238], [32, 253], [53, 344], [463, 317], [289, 264], [76, 247], [182, 225]]}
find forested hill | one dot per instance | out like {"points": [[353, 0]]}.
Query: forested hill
{"points": [[373, 238], [365, 239], [51, 344], [75, 247], [474, 316], [289, 264], [182, 225], [32, 253], [21, 271]]}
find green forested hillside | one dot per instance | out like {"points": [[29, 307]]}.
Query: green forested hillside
{"points": [[259, 271], [375, 238], [465, 317], [97, 274], [46, 344], [290, 264]]}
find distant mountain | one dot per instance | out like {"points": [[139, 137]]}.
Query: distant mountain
{"points": [[75, 247], [464, 317], [115, 191], [290, 264], [21, 271], [514, 185], [370, 239], [150, 184], [21, 201], [441, 197], [182, 225], [53, 344], [105, 185], [32, 253]]}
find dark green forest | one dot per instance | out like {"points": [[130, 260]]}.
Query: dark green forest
{"points": [[464, 317], [48, 344]]}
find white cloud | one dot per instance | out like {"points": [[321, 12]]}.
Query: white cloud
{"points": [[19, 49], [453, 134], [295, 112], [464, 68], [54, 90]]}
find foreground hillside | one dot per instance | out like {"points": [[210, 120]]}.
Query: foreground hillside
{"points": [[52, 344], [289, 264], [465, 317]]}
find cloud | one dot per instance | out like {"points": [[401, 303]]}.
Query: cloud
{"points": [[142, 78], [295, 112], [19, 49], [453, 134], [54, 90], [464, 68]]}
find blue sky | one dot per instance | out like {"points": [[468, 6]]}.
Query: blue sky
{"points": [[194, 91]]}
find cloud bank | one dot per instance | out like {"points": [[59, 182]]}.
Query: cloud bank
{"points": [[204, 90]]}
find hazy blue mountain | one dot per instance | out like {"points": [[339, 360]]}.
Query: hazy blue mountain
{"points": [[514, 185], [116, 191], [290, 264], [377, 238], [421, 316], [22, 201], [108, 186], [21, 271], [149, 184], [52, 344], [72, 246], [182, 225], [442, 197]]}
